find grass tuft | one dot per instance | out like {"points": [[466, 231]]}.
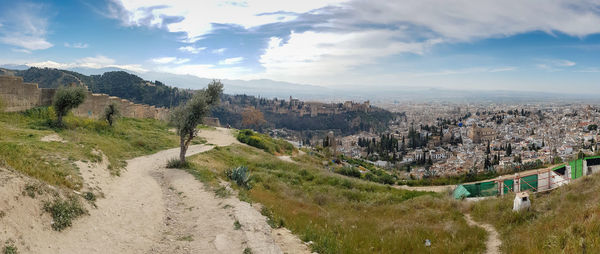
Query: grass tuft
{"points": [[176, 163], [64, 212]]}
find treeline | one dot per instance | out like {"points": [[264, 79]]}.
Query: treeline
{"points": [[346, 123], [115, 83]]}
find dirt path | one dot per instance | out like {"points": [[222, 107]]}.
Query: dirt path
{"points": [[440, 188], [150, 209], [492, 245]]}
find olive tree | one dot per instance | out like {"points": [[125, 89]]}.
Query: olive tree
{"points": [[65, 99], [188, 116], [110, 113]]}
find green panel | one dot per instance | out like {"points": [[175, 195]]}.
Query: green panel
{"points": [[592, 157], [509, 186], [485, 189], [576, 168], [461, 192], [488, 189], [529, 183], [558, 167]]}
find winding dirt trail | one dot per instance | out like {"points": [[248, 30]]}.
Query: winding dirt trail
{"points": [[493, 242], [152, 209]]}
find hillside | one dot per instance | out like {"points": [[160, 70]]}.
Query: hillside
{"points": [[132, 87], [564, 220], [71, 169], [114, 83]]}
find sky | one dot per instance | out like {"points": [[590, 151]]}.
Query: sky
{"points": [[533, 45]]}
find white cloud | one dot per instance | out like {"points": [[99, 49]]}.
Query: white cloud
{"points": [[77, 45], [208, 71], [231, 61], [170, 60], [96, 62], [196, 18], [24, 25], [22, 51], [554, 64], [218, 51], [312, 53], [465, 20], [192, 49]]}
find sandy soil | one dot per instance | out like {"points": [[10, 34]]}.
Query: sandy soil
{"points": [[493, 242], [52, 138], [148, 209], [440, 188]]}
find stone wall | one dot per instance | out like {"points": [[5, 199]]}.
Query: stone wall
{"points": [[16, 95]]}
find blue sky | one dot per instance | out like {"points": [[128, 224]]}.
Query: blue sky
{"points": [[534, 45]]}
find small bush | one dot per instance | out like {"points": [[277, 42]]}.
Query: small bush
{"points": [[89, 196], [10, 248], [349, 171], [176, 163], [64, 211], [247, 251], [222, 192], [237, 225], [32, 189], [240, 175]]}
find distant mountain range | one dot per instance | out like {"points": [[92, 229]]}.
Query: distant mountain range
{"points": [[376, 94]]}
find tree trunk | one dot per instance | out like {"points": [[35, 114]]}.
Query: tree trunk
{"points": [[59, 116], [183, 149]]}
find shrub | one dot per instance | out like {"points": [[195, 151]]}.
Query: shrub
{"points": [[176, 163], [240, 175], [110, 113], [65, 99], [264, 142], [349, 171], [10, 248], [64, 211]]}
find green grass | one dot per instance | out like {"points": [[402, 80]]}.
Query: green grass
{"points": [[565, 220], [340, 214], [266, 143], [53, 162], [10, 248]]}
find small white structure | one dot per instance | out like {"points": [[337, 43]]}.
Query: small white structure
{"points": [[521, 202]]}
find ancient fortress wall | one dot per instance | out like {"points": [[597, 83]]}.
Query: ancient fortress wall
{"points": [[15, 95]]}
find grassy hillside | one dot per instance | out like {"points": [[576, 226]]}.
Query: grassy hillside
{"points": [[21, 147], [268, 144], [565, 220], [340, 214]]}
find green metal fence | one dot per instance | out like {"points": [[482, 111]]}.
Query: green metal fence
{"points": [[529, 183], [576, 168], [484, 189]]}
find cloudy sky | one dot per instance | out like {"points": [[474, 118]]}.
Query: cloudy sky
{"points": [[461, 44]]}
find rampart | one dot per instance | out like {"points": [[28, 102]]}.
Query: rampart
{"points": [[15, 95]]}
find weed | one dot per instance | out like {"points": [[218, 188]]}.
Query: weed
{"points": [[32, 189], [176, 163], [89, 196], [247, 251], [222, 192], [10, 248], [64, 212], [187, 238], [2, 214], [227, 206], [237, 225], [240, 175]]}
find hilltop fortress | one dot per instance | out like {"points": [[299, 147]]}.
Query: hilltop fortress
{"points": [[15, 95]]}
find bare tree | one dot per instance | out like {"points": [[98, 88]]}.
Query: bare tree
{"points": [[252, 117], [188, 116]]}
